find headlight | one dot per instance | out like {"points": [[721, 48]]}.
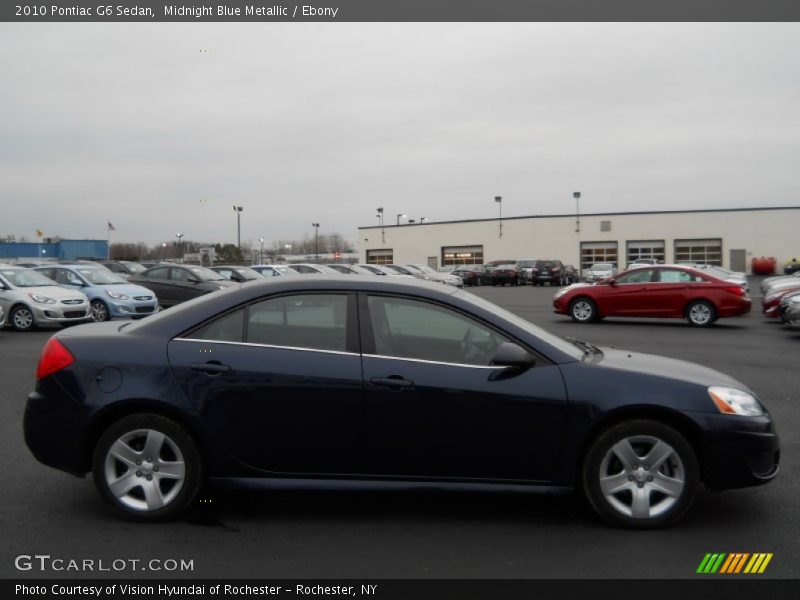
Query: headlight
{"points": [[41, 299], [731, 401], [116, 295]]}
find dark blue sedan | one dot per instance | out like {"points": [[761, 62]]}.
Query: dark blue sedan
{"points": [[383, 382]]}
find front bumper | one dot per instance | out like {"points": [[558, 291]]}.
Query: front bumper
{"points": [[60, 313], [741, 451], [131, 308]]}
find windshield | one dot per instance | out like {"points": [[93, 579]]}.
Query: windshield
{"points": [[547, 337], [133, 267], [249, 273], [204, 274], [526, 264], [99, 276], [396, 269], [26, 278], [601, 267]]}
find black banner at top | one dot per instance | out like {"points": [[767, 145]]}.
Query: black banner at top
{"points": [[149, 11]]}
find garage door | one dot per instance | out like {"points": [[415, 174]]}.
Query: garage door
{"points": [[597, 252], [649, 249], [704, 252], [462, 255], [384, 256]]}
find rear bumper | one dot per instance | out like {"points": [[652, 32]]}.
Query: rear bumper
{"points": [[54, 427]]}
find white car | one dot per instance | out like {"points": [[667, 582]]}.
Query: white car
{"points": [[599, 271], [425, 272], [30, 299]]}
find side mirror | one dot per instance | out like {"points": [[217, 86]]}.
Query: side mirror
{"points": [[513, 356], [193, 280], [612, 282], [76, 282]]}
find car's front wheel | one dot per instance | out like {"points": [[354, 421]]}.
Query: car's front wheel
{"points": [[640, 474], [583, 310], [148, 467], [100, 311], [21, 318]]}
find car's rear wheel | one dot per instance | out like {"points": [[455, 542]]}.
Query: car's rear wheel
{"points": [[147, 467], [701, 313], [100, 311], [21, 318], [640, 474], [583, 310]]}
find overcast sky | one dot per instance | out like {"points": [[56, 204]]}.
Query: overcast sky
{"points": [[162, 128]]}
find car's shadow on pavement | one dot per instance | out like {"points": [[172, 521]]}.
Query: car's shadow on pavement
{"points": [[223, 509]]}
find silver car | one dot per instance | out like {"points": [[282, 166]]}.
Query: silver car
{"points": [[599, 271], [425, 272], [30, 299]]}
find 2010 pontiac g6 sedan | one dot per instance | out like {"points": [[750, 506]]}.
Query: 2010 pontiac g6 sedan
{"points": [[359, 381]]}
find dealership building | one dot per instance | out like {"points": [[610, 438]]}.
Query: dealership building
{"points": [[727, 237]]}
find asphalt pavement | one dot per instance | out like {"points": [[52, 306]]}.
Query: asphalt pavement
{"points": [[423, 534]]}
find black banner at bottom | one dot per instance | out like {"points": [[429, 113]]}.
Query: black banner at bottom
{"points": [[732, 588]]}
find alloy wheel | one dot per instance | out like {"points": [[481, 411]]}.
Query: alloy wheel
{"points": [[22, 318], [99, 311], [144, 470], [583, 310], [642, 477], [700, 313]]}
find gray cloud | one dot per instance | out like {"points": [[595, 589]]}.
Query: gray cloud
{"points": [[132, 123]]}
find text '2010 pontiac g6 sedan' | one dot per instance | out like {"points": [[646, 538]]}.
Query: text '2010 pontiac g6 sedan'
{"points": [[384, 382]]}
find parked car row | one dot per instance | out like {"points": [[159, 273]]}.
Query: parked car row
{"points": [[782, 298], [516, 272]]}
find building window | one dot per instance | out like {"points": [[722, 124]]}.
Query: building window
{"points": [[648, 249], [597, 252], [605, 225], [380, 257], [462, 255], [703, 252]]}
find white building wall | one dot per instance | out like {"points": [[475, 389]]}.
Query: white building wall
{"points": [[767, 232]]}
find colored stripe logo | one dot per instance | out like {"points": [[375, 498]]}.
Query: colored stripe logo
{"points": [[734, 563]]}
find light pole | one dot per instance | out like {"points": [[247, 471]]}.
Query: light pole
{"points": [[400, 216], [316, 240], [577, 196], [178, 251], [238, 210], [163, 251], [380, 216], [261, 253], [499, 200]]}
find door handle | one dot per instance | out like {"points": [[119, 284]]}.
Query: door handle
{"points": [[210, 368], [395, 383]]}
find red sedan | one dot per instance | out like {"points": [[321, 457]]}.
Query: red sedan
{"points": [[664, 291]]}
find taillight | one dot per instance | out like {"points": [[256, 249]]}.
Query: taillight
{"points": [[54, 358], [736, 290]]}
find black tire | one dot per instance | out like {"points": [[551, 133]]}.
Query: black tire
{"points": [[177, 444], [700, 313], [677, 472], [100, 311], [583, 310], [21, 318]]}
